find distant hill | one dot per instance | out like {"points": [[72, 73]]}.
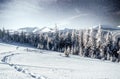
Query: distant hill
{"points": [[36, 30], [107, 27], [48, 29], [28, 29], [45, 29], [41, 30]]}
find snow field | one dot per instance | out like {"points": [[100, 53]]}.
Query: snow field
{"points": [[42, 64]]}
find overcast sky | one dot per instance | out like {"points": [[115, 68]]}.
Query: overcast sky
{"points": [[65, 13]]}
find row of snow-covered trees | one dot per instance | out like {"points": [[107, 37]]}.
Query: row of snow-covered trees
{"points": [[88, 43], [95, 44], [7, 36]]}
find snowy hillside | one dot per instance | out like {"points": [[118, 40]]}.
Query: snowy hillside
{"points": [[107, 27], [36, 30], [45, 29], [30, 63], [28, 29]]}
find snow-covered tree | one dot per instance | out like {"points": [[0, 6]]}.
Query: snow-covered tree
{"points": [[86, 37], [99, 37], [72, 50], [109, 37], [92, 38], [118, 60], [81, 43], [67, 52], [0, 33]]}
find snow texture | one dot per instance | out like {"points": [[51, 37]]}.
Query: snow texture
{"points": [[24, 62]]}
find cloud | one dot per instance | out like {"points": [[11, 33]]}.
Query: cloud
{"points": [[62, 12], [117, 13], [77, 16], [77, 10], [68, 20], [20, 13]]}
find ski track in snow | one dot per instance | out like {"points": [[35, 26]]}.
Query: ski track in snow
{"points": [[57, 70], [20, 68]]}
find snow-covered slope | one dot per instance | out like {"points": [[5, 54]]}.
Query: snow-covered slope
{"points": [[30, 63], [28, 29], [7, 72], [41, 30], [107, 27], [67, 30], [45, 29], [36, 30]]}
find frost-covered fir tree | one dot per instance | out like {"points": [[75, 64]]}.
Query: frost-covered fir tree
{"points": [[73, 36], [99, 36], [92, 43], [109, 37], [56, 40], [81, 51], [72, 50], [109, 46], [81, 42], [67, 52], [92, 38], [73, 40], [86, 37], [118, 60], [99, 43], [48, 42], [40, 44], [0, 34], [22, 37]]}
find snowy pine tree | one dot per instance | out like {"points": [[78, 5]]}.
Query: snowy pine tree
{"points": [[99, 36], [67, 52], [86, 37], [81, 43], [92, 38]]}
